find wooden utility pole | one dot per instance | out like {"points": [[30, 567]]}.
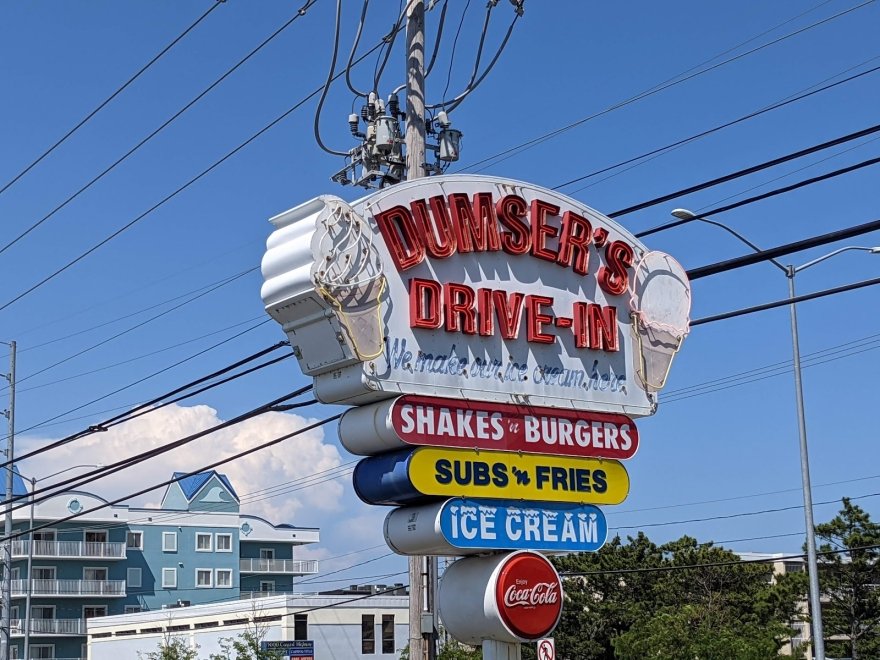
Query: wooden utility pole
{"points": [[421, 642]]}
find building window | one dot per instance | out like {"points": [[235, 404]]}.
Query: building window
{"points": [[96, 574], [91, 611], [224, 578], [267, 553], [300, 626], [133, 578], [267, 586], [223, 542], [203, 578], [169, 541], [42, 572], [131, 609], [368, 634], [95, 536], [203, 542], [40, 651], [169, 578], [134, 541], [387, 633]]}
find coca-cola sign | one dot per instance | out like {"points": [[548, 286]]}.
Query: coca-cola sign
{"points": [[528, 594]]}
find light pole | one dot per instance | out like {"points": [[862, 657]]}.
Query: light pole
{"points": [[27, 602], [812, 564], [6, 582]]}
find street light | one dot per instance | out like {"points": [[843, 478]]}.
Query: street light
{"points": [[790, 272], [27, 602]]}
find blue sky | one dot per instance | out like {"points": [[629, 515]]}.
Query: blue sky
{"points": [[565, 61]]}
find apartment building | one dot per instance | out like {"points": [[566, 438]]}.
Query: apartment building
{"points": [[195, 547]]}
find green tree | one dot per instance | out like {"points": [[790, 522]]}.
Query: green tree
{"points": [[849, 584], [244, 647], [619, 610], [172, 648]]}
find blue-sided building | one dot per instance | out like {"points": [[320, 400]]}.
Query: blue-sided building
{"points": [[195, 548]]}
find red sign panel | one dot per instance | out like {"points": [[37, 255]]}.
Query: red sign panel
{"points": [[421, 420], [528, 594]]}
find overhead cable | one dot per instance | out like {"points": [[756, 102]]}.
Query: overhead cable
{"points": [[717, 564], [119, 90], [720, 127], [437, 39], [783, 250], [357, 40], [326, 88], [167, 122], [747, 171], [671, 82], [71, 483], [786, 301], [129, 414], [168, 482], [180, 189], [757, 198], [390, 38]]}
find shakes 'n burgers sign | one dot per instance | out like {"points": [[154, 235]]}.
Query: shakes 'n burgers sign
{"points": [[465, 287]]}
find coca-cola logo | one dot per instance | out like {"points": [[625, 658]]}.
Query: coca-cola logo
{"points": [[528, 594], [543, 593]]}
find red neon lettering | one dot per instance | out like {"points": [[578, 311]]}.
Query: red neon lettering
{"points": [[484, 312], [613, 278], [424, 304], [574, 242], [402, 237], [476, 232], [439, 235], [510, 210], [459, 303], [595, 327], [536, 320], [508, 308], [541, 230]]}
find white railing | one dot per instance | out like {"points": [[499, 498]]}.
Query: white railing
{"points": [[51, 627], [108, 588], [71, 549], [250, 595], [287, 566]]}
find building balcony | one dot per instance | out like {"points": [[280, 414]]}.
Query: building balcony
{"points": [[279, 566], [68, 550], [51, 627], [70, 588]]}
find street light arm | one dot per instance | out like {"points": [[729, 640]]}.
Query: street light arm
{"points": [[688, 216], [798, 269]]}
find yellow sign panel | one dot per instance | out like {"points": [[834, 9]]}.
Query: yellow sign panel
{"points": [[512, 476]]}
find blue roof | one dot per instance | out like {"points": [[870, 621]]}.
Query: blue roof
{"points": [[19, 488], [192, 484]]}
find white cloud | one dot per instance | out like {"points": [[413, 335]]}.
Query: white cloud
{"points": [[285, 463]]}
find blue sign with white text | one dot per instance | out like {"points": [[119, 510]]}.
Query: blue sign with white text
{"points": [[504, 525], [302, 648]]}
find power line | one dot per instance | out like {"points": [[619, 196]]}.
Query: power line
{"points": [[783, 250], [119, 90], [441, 22], [717, 564], [175, 479], [180, 189], [153, 374], [137, 325], [326, 88], [763, 196], [747, 171], [390, 38], [678, 143], [118, 419], [166, 123], [787, 301], [743, 514], [224, 280], [671, 82], [454, 45], [354, 45], [43, 494], [113, 365]]}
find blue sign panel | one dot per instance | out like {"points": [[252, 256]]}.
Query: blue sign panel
{"points": [[499, 524], [303, 648]]}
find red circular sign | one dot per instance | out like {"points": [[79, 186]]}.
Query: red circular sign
{"points": [[529, 595]]}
